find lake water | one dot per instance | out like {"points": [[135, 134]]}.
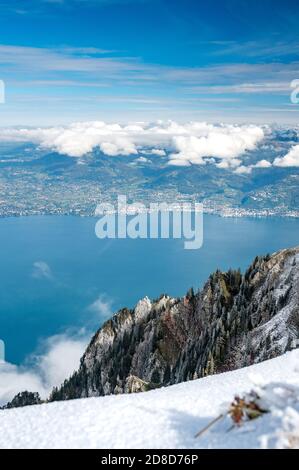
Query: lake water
{"points": [[55, 274]]}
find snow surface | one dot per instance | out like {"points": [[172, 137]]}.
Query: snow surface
{"points": [[164, 418]]}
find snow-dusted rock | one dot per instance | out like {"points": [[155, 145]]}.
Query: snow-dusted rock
{"points": [[235, 321]]}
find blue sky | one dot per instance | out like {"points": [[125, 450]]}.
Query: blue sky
{"points": [[119, 60]]}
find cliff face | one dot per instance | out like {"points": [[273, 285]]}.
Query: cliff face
{"points": [[236, 320]]}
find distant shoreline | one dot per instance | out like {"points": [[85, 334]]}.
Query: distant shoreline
{"points": [[229, 213]]}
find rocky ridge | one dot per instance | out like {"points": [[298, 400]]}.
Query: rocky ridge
{"points": [[234, 321]]}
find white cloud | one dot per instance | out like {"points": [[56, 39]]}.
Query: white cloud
{"points": [[180, 161], [233, 163], [41, 270], [56, 358], [111, 66], [290, 159], [102, 307], [246, 170], [224, 142], [159, 152], [14, 379], [60, 358], [246, 88], [243, 170], [188, 143], [142, 160], [263, 164]]}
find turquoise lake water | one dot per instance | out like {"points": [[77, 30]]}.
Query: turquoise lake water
{"points": [[55, 274]]}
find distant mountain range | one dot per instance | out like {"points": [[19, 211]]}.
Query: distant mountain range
{"points": [[34, 181]]}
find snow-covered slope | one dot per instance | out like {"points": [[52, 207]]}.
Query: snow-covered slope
{"points": [[164, 418]]}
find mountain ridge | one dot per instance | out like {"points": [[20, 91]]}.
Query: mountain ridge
{"points": [[234, 321]]}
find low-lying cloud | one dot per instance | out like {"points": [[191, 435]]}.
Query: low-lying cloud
{"points": [[185, 144], [246, 170], [59, 358], [222, 142], [291, 159]]}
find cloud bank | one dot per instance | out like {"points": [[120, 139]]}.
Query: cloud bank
{"points": [[223, 142], [186, 144], [57, 357], [291, 159], [60, 357]]}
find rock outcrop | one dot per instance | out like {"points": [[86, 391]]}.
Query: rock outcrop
{"points": [[23, 399], [234, 321]]}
